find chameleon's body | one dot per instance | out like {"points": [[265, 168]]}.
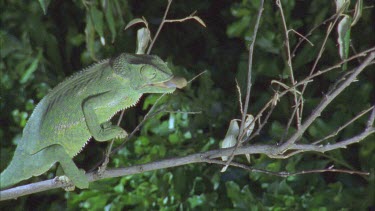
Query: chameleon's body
{"points": [[80, 108]]}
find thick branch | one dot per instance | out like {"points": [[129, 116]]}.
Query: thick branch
{"points": [[204, 157]]}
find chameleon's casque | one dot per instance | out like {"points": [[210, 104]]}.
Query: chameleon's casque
{"points": [[80, 108]]}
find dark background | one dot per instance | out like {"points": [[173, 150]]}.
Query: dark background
{"points": [[38, 51]]}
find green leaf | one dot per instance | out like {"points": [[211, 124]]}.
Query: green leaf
{"points": [[236, 29], [44, 4], [319, 128], [141, 144], [284, 188], [97, 20], [174, 138], [357, 11], [29, 71], [342, 5], [110, 20], [343, 30], [136, 21], [90, 38], [242, 199], [119, 188], [277, 130], [197, 200]]}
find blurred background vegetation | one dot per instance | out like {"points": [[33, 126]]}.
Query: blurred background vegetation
{"points": [[39, 50]]}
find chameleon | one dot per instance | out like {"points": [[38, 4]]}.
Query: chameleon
{"points": [[80, 108]]}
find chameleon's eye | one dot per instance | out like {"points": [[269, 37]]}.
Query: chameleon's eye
{"points": [[148, 72]]}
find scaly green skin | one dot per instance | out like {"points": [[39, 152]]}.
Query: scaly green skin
{"points": [[80, 108]]}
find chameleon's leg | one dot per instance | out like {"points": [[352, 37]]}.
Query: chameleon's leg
{"points": [[56, 153], [99, 130]]}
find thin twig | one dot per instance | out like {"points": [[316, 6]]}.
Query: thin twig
{"points": [[322, 48], [312, 30], [290, 121], [370, 121], [195, 77], [303, 37], [160, 27], [239, 97], [146, 117], [290, 66], [249, 83], [191, 16], [104, 164], [250, 68], [261, 124], [183, 112]]}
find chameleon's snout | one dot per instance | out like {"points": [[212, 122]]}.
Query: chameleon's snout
{"points": [[175, 82], [178, 82]]}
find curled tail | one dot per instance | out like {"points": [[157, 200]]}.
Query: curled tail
{"points": [[14, 173]]}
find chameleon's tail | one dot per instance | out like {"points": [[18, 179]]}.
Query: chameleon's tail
{"points": [[14, 172]]}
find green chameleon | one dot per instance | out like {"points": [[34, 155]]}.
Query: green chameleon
{"points": [[80, 108]]}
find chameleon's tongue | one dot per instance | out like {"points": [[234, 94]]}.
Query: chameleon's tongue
{"points": [[178, 82]]}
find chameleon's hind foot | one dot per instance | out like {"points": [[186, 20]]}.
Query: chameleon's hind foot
{"points": [[66, 182], [69, 185]]}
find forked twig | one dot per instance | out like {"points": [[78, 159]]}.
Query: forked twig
{"points": [[334, 133]]}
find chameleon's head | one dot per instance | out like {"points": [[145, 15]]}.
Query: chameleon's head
{"points": [[148, 74]]}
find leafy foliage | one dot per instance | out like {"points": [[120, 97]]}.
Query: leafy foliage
{"points": [[39, 50]]}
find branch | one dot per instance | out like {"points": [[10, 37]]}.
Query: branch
{"points": [[327, 99], [205, 157], [338, 145]]}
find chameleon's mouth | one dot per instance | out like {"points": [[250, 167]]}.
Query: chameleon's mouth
{"points": [[175, 82]]}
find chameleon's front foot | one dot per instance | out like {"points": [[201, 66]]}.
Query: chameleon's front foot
{"points": [[108, 131]]}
